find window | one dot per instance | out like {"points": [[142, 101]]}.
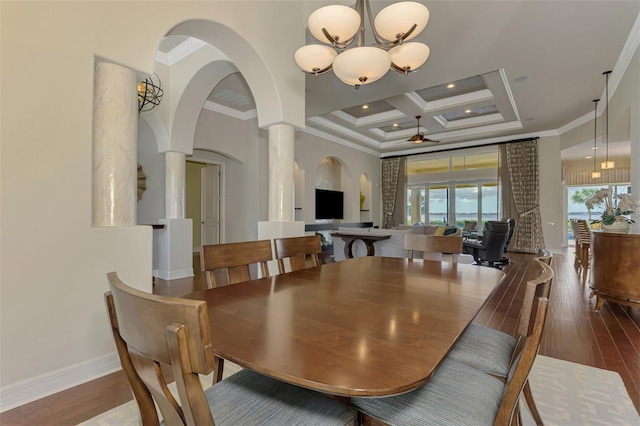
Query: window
{"points": [[453, 188]]}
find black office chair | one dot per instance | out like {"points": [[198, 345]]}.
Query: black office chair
{"points": [[512, 227], [490, 250]]}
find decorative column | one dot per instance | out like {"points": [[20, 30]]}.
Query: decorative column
{"points": [[175, 241], [115, 144], [281, 172], [281, 187], [175, 184]]}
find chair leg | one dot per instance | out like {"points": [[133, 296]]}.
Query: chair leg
{"points": [[528, 397]]}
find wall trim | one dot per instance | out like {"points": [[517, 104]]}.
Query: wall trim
{"points": [[47, 384], [174, 275]]}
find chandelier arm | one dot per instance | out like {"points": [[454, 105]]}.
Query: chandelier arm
{"points": [[401, 70], [319, 72], [336, 44]]}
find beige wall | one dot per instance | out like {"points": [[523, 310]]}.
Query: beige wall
{"points": [[53, 317]]}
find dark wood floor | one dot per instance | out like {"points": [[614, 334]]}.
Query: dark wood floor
{"points": [[609, 339]]}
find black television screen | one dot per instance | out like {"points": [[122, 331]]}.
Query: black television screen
{"points": [[329, 204]]}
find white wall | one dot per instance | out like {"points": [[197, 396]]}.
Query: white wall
{"points": [[311, 150], [551, 192]]}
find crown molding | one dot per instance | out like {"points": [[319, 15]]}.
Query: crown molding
{"points": [[335, 139], [230, 112], [344, 131]]}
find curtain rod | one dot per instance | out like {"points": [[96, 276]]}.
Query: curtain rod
{"points": [[466, 147]]}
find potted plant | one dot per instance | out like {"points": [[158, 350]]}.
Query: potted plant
{"points": [[618, 209]]}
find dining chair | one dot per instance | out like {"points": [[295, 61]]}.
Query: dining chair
{"points": [[151, 330], [302, 252], [433, 246], [457, 394], [492, 351], [235, 259]]}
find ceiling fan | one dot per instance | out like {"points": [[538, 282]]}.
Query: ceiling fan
{"points": [[419, 137]]}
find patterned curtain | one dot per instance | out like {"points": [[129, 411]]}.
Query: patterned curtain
{"points": [[522, 169], [390, 174]]}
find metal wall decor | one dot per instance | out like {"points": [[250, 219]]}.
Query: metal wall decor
{"points": [[149, 93]]}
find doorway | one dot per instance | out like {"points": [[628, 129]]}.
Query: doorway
{"points": [[205, 202]]}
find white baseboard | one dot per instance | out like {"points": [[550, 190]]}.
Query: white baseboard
{"points": [[29, 390], [174, 275]]}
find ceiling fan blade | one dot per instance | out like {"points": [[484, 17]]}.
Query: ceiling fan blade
{"points": [[415, 138]]}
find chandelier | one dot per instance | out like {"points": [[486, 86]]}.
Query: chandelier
{"points": [[342, 29], [149, 93]]}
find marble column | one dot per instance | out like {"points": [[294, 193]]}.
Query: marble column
{"points": [[115, 142], [175, 184], [281, 188], [281, 172], [175, 252]]}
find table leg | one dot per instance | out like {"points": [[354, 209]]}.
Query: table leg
{"points": [[371, 249]]}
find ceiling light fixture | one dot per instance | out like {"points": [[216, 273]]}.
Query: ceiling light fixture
{"points": [[149, 93], [353, 62], [607, 164], [451, 86], [595, 174], [419, 137]]}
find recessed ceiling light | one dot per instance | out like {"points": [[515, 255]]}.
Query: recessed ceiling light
{"points": [[467, 111], [589, 156], [595, 147], [395, 124], [520, 79], [365, 106], [450, 86]]}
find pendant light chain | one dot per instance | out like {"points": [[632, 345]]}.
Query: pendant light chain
{"points": [[607, 164], [595, 174]]}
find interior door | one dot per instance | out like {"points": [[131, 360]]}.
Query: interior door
{"points": [[210, 225]]}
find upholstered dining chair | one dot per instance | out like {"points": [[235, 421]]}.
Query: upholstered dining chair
{"points": [[235, 259], [151, 330], [433, 246], [457, 394], [302, 252], [492, 351]]}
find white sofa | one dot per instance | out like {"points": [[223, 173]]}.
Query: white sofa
{"points": [[393, 247]]}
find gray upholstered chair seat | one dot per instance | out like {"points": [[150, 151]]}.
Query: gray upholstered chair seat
{"points": [[485, 349], [249, 398], [455, 395]]}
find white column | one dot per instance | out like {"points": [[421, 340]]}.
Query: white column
{"points": [[175, 184], [634, 112], [115, 136], [281, 172]]}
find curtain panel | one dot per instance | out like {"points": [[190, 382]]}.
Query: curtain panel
{"points": [[523, 176], [390, 179]]}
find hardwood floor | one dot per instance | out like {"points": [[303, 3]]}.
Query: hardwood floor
{"points": [[609, 339]]}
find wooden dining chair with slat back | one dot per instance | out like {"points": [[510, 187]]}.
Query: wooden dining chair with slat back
{"points": [[457, 394], [235, 259], [433, 246], [302, 252], [150, 330]]}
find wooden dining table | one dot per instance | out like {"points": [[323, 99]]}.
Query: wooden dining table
{"points": [[368, 326]]}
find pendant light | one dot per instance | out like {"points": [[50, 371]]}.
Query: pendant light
{"points": [[607, 164], [595, 174]]}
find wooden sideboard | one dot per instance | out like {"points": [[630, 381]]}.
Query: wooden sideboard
{"points": [[615, 268]]}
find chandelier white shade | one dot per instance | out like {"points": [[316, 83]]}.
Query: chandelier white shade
{"points": [[353, 62], [409, 56], [395, 20], [341, 22], [361, 65], [315, 58]]}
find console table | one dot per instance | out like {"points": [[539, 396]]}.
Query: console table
{"points": [[615, 268], [367, 239]]}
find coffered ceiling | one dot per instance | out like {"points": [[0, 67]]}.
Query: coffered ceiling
{"points": [[498, 70]]}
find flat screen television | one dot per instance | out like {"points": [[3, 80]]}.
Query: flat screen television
{"points": [[329, 204]]}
